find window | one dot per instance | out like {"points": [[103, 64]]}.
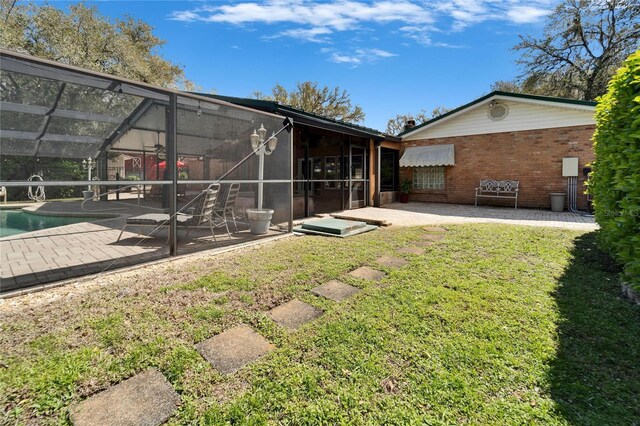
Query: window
{"points": [[389, 171], [428, 177], [331, 172]]}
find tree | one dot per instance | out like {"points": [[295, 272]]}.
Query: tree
{"points": [[82, 37], [507, 86], [307, 96], [397, 124], [583, 43]]}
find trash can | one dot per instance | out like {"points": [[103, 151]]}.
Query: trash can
{"points": [[259, 220], [557, 201]]}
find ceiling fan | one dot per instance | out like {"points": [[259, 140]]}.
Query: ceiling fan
{"points": [[158, 148]]}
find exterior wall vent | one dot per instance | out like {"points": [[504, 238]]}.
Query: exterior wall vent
{"points": [[497, 111]]}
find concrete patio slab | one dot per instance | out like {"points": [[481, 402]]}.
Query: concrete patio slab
{"points": [[411, 250], [366, 273], [233, 349], [335, 290], [417, 214], [146, 399], [392, 262], [294, 314]]}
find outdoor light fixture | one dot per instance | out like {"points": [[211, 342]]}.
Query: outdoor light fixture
{"points": [[199, 110], [87, 165], [492, 104], [262, 147]]}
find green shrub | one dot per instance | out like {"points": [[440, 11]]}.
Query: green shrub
{"points": [[615, 182]]}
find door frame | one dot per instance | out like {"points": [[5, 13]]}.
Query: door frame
{"points": [[358, 184]]}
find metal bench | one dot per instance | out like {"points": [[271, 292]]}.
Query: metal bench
{"points": [[498, 189]]}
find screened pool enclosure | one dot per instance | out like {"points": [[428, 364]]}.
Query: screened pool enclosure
{"points": [[156, 172]]}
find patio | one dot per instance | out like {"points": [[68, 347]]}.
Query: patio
{"points": [[60, 253], [414, 214], [78, 133], [64, 252]]}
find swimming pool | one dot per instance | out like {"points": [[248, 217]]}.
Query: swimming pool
{"points": [[13, 222]]}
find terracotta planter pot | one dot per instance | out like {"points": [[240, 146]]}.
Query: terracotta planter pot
{"points": [[404, 198]]}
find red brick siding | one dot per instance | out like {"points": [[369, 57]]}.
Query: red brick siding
{"points": [[534, 157]]}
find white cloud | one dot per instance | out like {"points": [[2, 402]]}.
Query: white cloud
{"points": [[376, 53], [345, 59], [526, 14], [312, 34], [319, 21], [465, 13], [358, 56], [339, 15]]}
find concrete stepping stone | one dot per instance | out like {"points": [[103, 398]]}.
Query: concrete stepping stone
{"points": [[411, 250], [335, 290], [233, 349], [145, 399], [294, 314], [424, 243], [432, 237], [366, 273], [435, 229], [392, 262]]}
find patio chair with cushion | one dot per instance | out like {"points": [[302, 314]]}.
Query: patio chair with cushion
{"points": [[226, 203], [201, 213]]}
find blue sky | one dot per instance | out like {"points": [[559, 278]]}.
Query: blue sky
{"points": [[391, 56]]}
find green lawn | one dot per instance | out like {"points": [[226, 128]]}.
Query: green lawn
{"points": [[493, 325]]}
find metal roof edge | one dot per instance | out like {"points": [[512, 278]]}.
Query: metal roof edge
{"points": [[276, 107], [115, 78]]}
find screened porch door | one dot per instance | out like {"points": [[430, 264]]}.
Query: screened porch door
{"points": [[358, 177]]}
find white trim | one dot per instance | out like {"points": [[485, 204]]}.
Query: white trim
{"points": [[553, 104], [550, 104]]}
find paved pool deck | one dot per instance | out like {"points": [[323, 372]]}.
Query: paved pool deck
{"points": [[33, 259]]}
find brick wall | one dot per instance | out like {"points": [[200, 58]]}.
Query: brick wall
{"points": [[387, 197], [533, 157]]}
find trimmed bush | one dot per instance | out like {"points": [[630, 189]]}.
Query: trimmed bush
{"points": [[615, 182]]}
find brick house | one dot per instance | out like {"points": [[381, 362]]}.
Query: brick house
{"points": [[501, 136]]}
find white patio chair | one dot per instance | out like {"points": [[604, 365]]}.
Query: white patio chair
{"points": [[202, 207], [226, 204]]}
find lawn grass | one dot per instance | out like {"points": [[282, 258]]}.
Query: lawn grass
{"points": [[493, 325]]}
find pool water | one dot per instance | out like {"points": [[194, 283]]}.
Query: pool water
{"points": [[13, 222]]}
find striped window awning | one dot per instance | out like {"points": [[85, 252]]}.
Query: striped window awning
{"points": [[425, 156]]}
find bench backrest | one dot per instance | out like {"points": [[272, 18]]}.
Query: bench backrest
{"points": [[489, 185]]}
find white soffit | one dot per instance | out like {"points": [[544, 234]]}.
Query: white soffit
{"points": [[523, 114]]}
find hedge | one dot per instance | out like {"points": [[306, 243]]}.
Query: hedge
{"points": [[615, 182]]}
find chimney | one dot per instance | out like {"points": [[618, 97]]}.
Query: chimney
{"points": [[410, 124]]}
